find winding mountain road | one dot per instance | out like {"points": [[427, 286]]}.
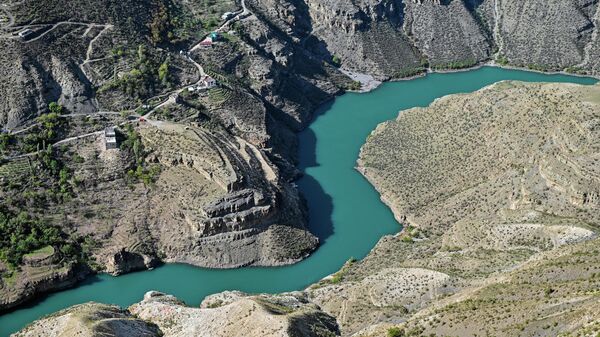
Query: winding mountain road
{"points": [[172, 95], [240, 14]]}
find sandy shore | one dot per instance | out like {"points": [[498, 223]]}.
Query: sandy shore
{"points": [[368, 82]]}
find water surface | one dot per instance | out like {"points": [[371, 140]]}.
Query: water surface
{"points": [[345, 210]]}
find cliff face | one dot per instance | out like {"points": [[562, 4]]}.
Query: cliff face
{"points": [[395, 38], [384, 38]]}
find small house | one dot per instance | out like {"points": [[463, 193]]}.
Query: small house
{"points": [[227, 15], [208, 82], [110, 138], [25, 33], [206, 42]]}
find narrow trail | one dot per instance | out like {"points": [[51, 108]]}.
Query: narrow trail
{"points": [[90, 49], [56, 25], [62, 141], [238, 16], [172, 95]]}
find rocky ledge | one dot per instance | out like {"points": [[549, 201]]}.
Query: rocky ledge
{"points": [[164, 315]]}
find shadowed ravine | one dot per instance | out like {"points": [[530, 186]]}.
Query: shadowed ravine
{"points": [[345, 210]]}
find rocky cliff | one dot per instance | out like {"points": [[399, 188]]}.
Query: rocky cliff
{"points": [[383, 38], [164, 315]]}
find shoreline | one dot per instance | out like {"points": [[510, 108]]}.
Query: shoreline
{"points": [[371, 83]]}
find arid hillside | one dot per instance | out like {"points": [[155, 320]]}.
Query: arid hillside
{"points": [[498, 191]]}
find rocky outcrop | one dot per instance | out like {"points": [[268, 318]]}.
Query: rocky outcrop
{"points": [[123, 262], [91, 320], [33, 280], [242, 208], [226, 314]]}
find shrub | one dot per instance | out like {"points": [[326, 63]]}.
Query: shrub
{"points": [[55, 108], [336, 60], [395, 332]]}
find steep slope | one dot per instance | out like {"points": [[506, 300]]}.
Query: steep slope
{"points": [[484, 183]]}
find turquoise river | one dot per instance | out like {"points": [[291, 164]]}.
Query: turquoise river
{"points": [[345, 210]]}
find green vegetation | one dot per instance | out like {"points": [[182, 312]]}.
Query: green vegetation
{"points": [[133, 143], [215, 304], [575, 70], [538, 67], [273, 307], [161, 25], [395, 332], [219, 95], [55, 108], [502, 60], [43, 134], [5, 142], [339, 276], [354, 85], [163, 73], [336, 60], [455, 65], [149, 75], [21, 234], [407, 239], [409, 72], [42, 252]]}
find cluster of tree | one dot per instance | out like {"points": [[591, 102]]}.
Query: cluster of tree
{"points": [[46, 132], [6, 140], [133, 142], [145, 78], [20, 234], [161, 27], [59, 173]]}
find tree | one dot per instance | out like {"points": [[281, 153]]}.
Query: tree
{"points": [[395, 332], [163, 73], [55, 108], [336, 60], [5, 141], [160, 25]]}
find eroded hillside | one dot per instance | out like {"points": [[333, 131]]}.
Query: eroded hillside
{"points": [[205, 126], [492, 186], [498, 192]]}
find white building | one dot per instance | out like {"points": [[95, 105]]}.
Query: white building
{"points": [[110, 138], [25, 33], [227, 15], [208, 82]]}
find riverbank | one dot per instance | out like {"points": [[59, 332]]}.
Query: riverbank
{"points": [[369, 83], [484, 215], [350, 223]]}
